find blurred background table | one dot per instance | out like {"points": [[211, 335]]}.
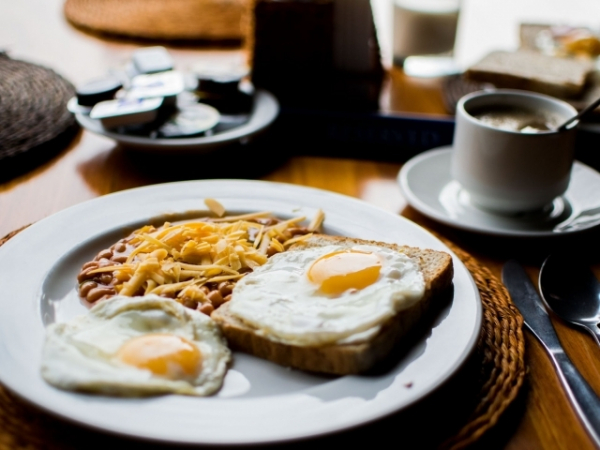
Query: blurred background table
{"points": [[36, 31]]}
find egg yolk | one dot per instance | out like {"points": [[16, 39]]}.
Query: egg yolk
{"points": [[164, 355], [337, 272]]}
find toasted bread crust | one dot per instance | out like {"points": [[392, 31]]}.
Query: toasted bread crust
{"points": [[343, 359], [533, 71]]}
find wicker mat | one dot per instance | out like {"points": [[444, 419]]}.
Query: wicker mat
{"points": [[172, 20], [33, 107], [500, 354]]}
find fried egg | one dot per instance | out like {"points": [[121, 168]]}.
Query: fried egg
{"points": [[137, 346], [319, 295]]}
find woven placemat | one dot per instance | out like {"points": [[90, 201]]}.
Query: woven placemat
{"points": [[160, 19], [33, 106], [500, 350], [500, 353]]}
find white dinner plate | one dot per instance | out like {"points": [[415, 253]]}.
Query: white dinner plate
{"points": [[428, 187], [265, 110], [260, 402]]}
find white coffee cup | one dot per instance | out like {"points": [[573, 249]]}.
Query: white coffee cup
{"points": [[507, 171]]}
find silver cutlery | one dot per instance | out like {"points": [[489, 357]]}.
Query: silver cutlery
{"points": [[570, 290], [583, 113], [584, 400]]}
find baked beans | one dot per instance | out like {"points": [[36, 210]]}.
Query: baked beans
{"points": [[94, 287]]}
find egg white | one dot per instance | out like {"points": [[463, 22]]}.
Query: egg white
{"points": [[80, 355], [280, 302]]}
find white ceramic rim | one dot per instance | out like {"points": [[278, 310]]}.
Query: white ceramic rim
{"points": [[330, 405], [417, 202]]}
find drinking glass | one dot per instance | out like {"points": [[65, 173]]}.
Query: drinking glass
{"points": [[424, 33]]}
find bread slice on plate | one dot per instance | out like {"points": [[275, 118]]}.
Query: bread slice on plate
{"points": [[533, 71], [363, 351]]}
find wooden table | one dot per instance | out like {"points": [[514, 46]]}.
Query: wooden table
{"points": [[92, 166]]}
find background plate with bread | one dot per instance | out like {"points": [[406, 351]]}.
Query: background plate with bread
{"points": [[552, 59]]}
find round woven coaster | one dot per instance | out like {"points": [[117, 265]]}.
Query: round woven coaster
{"points": [[160, 19], [500, 350], [33, 106], [500, 353]]}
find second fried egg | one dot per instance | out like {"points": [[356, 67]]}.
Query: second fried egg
{"points": [[137, 346], [327, 294]]}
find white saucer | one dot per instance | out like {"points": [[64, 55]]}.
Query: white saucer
{"points": [[427, 186]]}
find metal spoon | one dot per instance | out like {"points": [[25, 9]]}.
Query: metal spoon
{"points": [[572, 292], [584, 112]]}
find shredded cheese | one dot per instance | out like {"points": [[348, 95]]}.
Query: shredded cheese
{"points": [[179, 259], [215, 206]]}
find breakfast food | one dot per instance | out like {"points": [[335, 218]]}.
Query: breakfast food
{"points": [[334, 304], [195, 262], [135, 347], [533, 71], [275, 288]]}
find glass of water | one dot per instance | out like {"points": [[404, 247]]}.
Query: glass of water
{"points": [[424, 33]]}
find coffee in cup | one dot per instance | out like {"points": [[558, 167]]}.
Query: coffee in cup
{"points": [[507, 154], [513, 118]]}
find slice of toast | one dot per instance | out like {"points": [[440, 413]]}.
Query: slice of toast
{"points": [[533, 71], [355, 357]]}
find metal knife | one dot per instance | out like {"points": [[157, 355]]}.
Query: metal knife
{"points": [[584, 400]]}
